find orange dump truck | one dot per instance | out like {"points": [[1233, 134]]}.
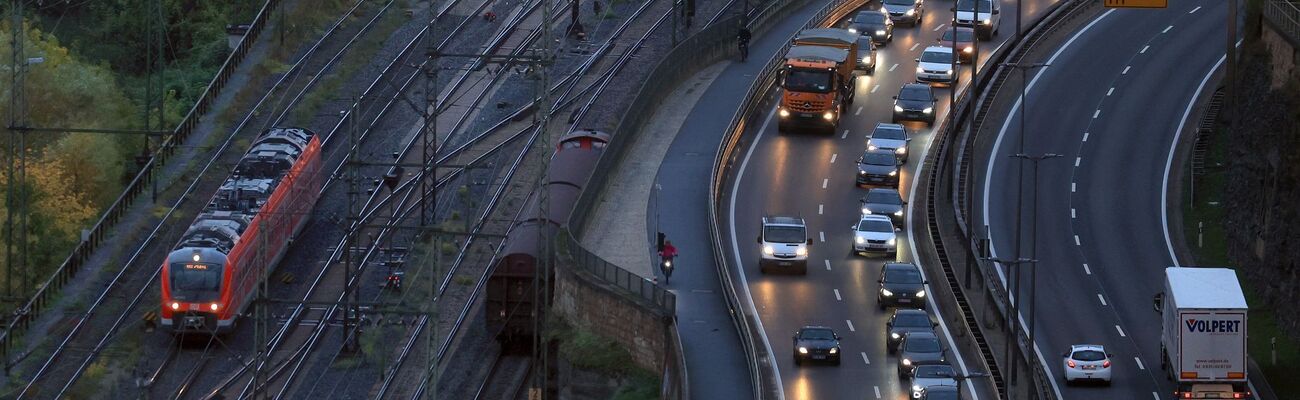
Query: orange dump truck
{"points": [[817, 79]]}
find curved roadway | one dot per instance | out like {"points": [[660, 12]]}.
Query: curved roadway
{"points": [[1111, 103], [813, 175]]}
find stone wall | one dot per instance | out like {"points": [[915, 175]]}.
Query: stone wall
{"points": [[1283, 59], [589, 303]]}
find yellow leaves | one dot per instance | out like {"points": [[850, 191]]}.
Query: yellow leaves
{"points": [[65, 206]]}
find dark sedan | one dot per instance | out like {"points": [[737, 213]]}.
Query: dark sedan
{"points": [[878, 167], [965, 42], [901, 285], [867, 54], [903, 321], [873, 23], [816, 343], [914, 102], [940, 393], [882, 201], [919, 348]]}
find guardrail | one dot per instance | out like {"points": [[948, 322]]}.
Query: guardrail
{"points": [[1285, 17], [587, 261], [23, 316]]}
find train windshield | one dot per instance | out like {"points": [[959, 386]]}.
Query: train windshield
{"points": [[195, 283]]}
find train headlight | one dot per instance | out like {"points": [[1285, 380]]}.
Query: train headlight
{"points": [[196, 256], [176, 306], [214, 306]]}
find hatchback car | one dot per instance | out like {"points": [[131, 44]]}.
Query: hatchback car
{"points": [[936, 66], [903, 321], [928, 376], [901, 285], [873, 23], [816, 343], [919, 348], [910, 12], [875, 234], [878, 167], [914, 102], [867, 54], [892, 137], [965, 43], [940, 393], [1086, 362], [882, 201]]}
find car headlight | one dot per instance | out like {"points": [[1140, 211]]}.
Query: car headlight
{"points": [[803, 350], [880, 31], [828, 116], [907, 362], [886, 292], [928, 110], [898, 213], [911, 12], [768, 250], [968, 49], [901, 150], [835, 350], [895, 335], [916, 388], [802, 251], [872, 146], [920, 70], [893, 173], [866, 211], [920, 293], [783, 112], [866, 60], [859, 239], [898, 108], [861, 172], [948, 72], [853, 30], [987, 21], [890, 241]]}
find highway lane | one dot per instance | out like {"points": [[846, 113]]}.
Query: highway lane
{"points": [[1100, 240], [813, 175]]}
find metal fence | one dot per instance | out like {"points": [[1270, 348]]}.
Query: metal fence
{"points": [[585, 260], [1284, 16], [22, 317]]}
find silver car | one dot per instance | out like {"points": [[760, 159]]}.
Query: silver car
{"points": [[875, 234], [891, 137]]}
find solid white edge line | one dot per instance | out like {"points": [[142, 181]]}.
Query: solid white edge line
{"points": [[988, 178], [735, 248]]}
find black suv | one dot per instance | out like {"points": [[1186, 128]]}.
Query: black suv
{"points": [[901, 285], [878, 167], [816, 343], [914, 102]]}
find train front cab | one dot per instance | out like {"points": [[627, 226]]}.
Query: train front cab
{"points": [[194, 301]]}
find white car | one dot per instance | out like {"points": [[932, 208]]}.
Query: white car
{"points": [[925, 376], [936, 66], [1086, 362], [875, 234], [986, 23]]}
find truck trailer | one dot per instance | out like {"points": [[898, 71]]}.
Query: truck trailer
{"points": [[1203, 340]]}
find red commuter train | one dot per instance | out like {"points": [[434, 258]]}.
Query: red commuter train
{"points": [[212, 274]]}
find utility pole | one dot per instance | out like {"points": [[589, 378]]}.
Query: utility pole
{"points": [[1033, 248]]}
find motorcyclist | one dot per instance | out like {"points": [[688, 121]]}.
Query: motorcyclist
{"points": [[742, 40], [669, 251]]}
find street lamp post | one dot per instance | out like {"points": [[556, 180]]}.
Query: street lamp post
{"points": [[1033, 247], [1012, 313]]}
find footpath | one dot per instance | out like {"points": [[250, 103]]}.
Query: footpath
{"points": [[663, 186]]}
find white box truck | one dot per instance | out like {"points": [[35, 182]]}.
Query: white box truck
{"points": [[1203, 344]]}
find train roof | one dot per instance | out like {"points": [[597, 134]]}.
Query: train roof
{"points": [[586, 133]]}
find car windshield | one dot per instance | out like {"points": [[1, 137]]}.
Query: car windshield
{"points": [[1089, 355], [902, 275], [875, 225], [817, 334], [889, 132], [911, 320], [914, 93], [879, 159], [934, 371], [866, 45], [936, 57], [883, 197], [962, 36], [808, 80], [869, 17], [900, 2], [923, 344], [969, 5], [195, 282], [783, 234]]}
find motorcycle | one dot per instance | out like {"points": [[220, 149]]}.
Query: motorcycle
{"points": [[666, 267]]}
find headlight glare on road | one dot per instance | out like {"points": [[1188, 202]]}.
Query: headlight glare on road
{"points": [[886, 292], [803, 350], [768, 250]]}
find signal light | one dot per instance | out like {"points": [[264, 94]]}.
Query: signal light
{"points": [[176, 306], [1070, 363], [214, 306], [1105, 364]]}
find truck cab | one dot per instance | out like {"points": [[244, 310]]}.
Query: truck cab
{"points": [[783, 245], [817, 79]]}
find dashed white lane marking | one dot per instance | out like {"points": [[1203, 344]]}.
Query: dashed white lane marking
{"points": [[1198, 8], [873, 88], [913, 48], [1077, 160], [937, 28], [1096, 113], [833, 157], [1103, 299], [825, 181], [859, 111], [1144, 48], [1126, 67], [1139, 361], [1085, 136], [819, 209], [1108, 92], [1072, 187], [828, 265], [864, 357], [838, 298], [1073, 214], [1086, 269], [1155, 395], [868, 362], [891, 68], [845, 134], [850, 325], [822, 235], [1121, 331], [1076, 240], [1164, 31]]}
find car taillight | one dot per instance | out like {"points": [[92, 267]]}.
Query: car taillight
{"points": [[1187, 395], [1105, 364], [1070, 363], [1238, 396]]}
